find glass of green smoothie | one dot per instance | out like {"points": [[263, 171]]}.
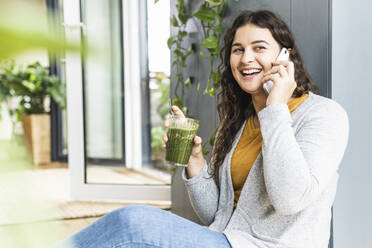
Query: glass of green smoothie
{"points": [[181, 135]]}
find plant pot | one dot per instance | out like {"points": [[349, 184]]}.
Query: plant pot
{"points": [[37, 133]]}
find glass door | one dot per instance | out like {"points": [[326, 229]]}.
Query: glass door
{"points": [[108, 104], [103, 88]]}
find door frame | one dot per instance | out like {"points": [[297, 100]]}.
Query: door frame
{"points": [[75, 112]]}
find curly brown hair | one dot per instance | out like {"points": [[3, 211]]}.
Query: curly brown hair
{"points": [[234, 104]]}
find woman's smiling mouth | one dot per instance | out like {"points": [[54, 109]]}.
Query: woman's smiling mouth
{"points": [[249, 73]]}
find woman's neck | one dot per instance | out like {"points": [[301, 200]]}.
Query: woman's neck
{"points": [[259, 102]]}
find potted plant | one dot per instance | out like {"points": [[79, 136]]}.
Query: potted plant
{"points": [[31, 86]]}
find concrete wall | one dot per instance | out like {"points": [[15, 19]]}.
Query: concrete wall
{"points": [[352, 88]]}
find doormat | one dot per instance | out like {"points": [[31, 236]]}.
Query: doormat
{"points": [[43, 195]]}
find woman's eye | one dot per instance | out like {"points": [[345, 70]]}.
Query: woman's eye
{"points": [[260, 48], [238, 50]]}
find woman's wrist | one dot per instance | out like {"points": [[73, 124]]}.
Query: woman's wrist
{"points": [[195, 166]]}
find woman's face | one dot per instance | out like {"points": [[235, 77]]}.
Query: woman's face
{"points": [[252, 52]]}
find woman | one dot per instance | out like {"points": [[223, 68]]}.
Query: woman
{"points": [[273, 173]]}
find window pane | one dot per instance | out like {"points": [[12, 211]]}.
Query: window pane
{"points": [[103, 87], [159, 67], [104, 101]]}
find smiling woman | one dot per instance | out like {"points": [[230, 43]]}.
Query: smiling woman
{"points": [[252, 42], [267, 186]]}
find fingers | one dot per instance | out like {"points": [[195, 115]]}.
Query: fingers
{"points": [[271, 77], [282, 71], [197, 148], [277, 69], [177, 111], [282, 62], [197, 140], [283, 68], [288, 65]]}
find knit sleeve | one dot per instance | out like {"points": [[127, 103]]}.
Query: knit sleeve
{"points": [[203, 193], [299, 166]]}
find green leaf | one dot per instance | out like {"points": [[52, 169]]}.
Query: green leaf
{"points": [[219, 29], [174, 22], [202, 55], [216, 3], [205, 14], [182, 34], [178, 53], [211, 140], [32, 77], [216, 77], [205, 152], [178, 102], [188, 82], [170, 42], [30, 86], [156, 1], [205, 91], [211, 92], [184, 110], [198, 87], [214, 51], [182, 14], [190, 51], [210, 42]]}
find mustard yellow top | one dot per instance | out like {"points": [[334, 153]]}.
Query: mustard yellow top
{"points": [[248, 149]]}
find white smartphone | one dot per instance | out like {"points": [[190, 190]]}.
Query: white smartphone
{"points": [[283, 56]]}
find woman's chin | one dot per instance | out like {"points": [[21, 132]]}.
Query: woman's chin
{"points": [[252, 88]]}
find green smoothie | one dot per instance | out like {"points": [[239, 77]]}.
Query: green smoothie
{"points": [[180, 142]]}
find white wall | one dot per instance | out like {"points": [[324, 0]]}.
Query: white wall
{"points": [[352, 88]]}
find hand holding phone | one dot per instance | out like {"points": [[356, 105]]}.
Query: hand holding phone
{"points": [[283, 56]]}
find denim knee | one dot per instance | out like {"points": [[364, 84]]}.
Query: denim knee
{"points": [[129, 216]]}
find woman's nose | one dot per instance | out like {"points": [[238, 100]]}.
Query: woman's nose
{"points": [[248, 56]]}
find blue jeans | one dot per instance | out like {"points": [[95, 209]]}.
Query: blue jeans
{"points": [[143, 226]]}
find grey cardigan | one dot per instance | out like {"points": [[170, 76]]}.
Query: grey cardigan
{"points": [[286, 199]]}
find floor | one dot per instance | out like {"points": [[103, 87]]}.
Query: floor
{"points": [[41, 233]]}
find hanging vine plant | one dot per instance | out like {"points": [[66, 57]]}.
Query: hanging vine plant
{"points": [[210, 16]]}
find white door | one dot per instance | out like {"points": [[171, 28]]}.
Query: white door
{"points": [[108, 129]]}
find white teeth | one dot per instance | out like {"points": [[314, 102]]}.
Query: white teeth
{"points": [[250, 71]]}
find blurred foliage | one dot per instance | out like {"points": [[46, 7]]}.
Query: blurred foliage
{"points": [[23, 28], [161, 96], [15, 156], [156, 138], [30, 84]]}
